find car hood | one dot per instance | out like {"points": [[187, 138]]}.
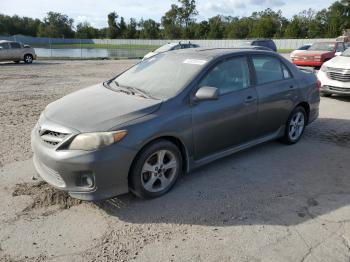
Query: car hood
{"points": [[98, 108], [315, 53], [339, 62]]}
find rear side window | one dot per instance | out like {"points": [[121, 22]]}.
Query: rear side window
{"points": [[269, 69], [229, 75], [15, 45], [4, 46]]}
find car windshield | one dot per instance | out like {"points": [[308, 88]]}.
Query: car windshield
{"points": [[322, 47], [164, 48], [161, 76], [346, 52]]}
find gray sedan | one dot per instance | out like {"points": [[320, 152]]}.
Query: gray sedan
{"points": [[167, 115]]}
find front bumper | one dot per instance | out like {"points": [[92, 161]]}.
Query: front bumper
{"points": [[68, 170], [330, 86]]}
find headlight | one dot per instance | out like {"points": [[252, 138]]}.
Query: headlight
{"points": [[324, 68], [93, 141]]}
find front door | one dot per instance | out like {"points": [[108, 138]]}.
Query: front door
{"points": [[230, 120]]}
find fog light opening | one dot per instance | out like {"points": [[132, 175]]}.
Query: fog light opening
{"points": [[87, 181]]}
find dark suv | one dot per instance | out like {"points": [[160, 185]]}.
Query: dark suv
{"points": [[262, 42]]}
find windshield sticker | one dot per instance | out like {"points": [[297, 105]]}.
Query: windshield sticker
{"points": [[194, 62]]}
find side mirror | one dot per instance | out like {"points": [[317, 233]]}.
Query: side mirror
{"points": [[338, 53], [207, 93]]}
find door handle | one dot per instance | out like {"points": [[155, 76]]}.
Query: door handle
{"points": [[291, 86], [249, 99]]}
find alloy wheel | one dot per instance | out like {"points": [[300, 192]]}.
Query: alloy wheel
{"points": [[296, 126], [159, 171]]}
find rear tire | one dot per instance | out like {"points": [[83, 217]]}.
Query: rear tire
{"points": [[28, 59], [155, 169], [295, 126]]}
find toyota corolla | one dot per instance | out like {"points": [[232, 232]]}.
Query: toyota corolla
{"points": [[167, 115]]}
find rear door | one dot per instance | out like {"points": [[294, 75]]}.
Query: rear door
{"points": [[230, 120], [277, 92], [16, 51]]}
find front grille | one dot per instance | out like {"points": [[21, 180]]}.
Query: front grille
{"points": [[339, 74], [52, 138]]}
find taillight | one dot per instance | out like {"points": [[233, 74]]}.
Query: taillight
{"points": [[318, 85]]}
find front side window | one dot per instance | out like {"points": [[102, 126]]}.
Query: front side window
{"points": [[228, 76], [340, 47], [268, 69], [15, 45]]}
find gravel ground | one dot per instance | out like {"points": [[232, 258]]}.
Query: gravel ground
{"points": [[269, 203]]}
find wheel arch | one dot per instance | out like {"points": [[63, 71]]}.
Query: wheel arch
{"points": [[306, 106], [173, 139]]}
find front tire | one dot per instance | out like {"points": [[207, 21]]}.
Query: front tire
{"points": [[155, 169], [295, 126], [28, 59]]}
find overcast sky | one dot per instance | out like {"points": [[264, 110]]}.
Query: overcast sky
{"points": [[95, 11]]}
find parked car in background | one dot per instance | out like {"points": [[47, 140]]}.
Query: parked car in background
{"points": [[16, 52], [318, 53], [345, 39], [299, 50], [269, 43], [335, 75], [141, 130], [170, 47]]}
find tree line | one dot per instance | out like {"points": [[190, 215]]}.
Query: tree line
{"points": [[179, 22]]}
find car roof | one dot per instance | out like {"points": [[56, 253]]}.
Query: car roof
{"points": [[211, 53]]}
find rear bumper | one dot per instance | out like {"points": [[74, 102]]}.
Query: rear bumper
{"points": [[107, 168], [307, 63]]}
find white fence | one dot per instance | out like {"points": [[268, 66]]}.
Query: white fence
{"points": [[280, 43]]}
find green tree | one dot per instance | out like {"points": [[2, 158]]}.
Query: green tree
{"points": [[86, 31], [113, 29], [122, 28], [216, 27], [56, 25], [149, 29], [131, 30], [172, 23]]}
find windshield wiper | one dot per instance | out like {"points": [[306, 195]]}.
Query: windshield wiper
{"points": [[129, 90], [134, 90]]}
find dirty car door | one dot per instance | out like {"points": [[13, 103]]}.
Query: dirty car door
{"points": [[277, 93], [231, 119]]}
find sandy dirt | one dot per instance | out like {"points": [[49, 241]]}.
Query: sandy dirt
{"points": [[269, 203]]}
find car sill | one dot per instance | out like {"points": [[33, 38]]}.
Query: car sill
{"points": [[227, 152]]}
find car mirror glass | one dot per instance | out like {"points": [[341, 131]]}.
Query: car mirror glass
{"points": [[207, 93]]}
